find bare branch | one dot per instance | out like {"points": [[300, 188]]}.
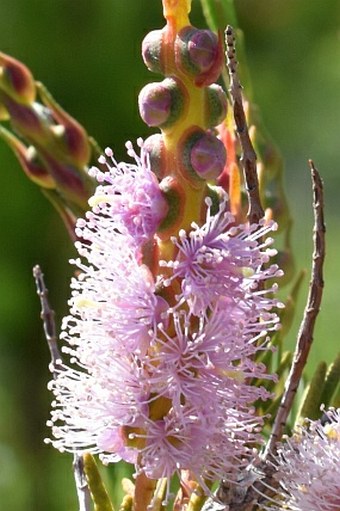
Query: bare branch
{"points": [[305, 334], [248, 158], [84, 498], [47, 316]]}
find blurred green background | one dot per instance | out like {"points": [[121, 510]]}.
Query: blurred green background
{"points": [[87, 53]]}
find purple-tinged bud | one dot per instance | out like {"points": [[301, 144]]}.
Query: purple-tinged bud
{"points": [[202, 47], [16, 80], [151, 51], [208, 156], [216, 105], [154, 104], [70, 134], [174, 194], [202, 156], [198, 53], [155, 149], [29, 160], [161, 104], [28, 120], [74, 187]]}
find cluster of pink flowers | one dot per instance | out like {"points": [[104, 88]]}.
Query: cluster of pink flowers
{"points": [[308, 467], [168, 388]]}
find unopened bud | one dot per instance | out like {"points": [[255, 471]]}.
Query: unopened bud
{"points": [[154, 147], [29, 160], [203, 156], [16, 80], [151, 51], [199, 53], [202, 48], [69, 133], [208, 157], [75, 187], [175, 197], [27, 120], [216, 108], [161, 104]]}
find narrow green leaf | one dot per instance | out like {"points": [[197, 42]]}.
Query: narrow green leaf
{"points": [[331, 382], [271, 406], [219, 13], [336, 398], [285, 363], [273, 385], [311, 401], [98, 491]]}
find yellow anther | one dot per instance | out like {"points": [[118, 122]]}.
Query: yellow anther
{"points": [[332, 433], [81, 302], [99, 199]]}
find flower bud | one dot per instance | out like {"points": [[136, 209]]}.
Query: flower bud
{"points": [[151, 51], [71, 136], [203, 156], [161, 104], [155, 149], [16, 80], [208, 156], [29, 160], [216, 107], [199, 53], [174, 195], [25, 118], [74, 186]]}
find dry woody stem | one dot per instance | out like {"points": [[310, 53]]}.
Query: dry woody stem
{"points": [[84, 499], [305, 334], [248, 158], [247, 494], [47, 316]]}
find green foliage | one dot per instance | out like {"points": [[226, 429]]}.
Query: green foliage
{"points": [[321, 390], [100, 497]]}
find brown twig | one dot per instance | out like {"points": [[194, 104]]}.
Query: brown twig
{"points": [[305, 334], [47, 316], [83, 493], [248, 158], [247, 494]]}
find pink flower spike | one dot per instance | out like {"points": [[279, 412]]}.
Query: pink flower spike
{"points": [[221, 259], [129, 195], [308, 467]]}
